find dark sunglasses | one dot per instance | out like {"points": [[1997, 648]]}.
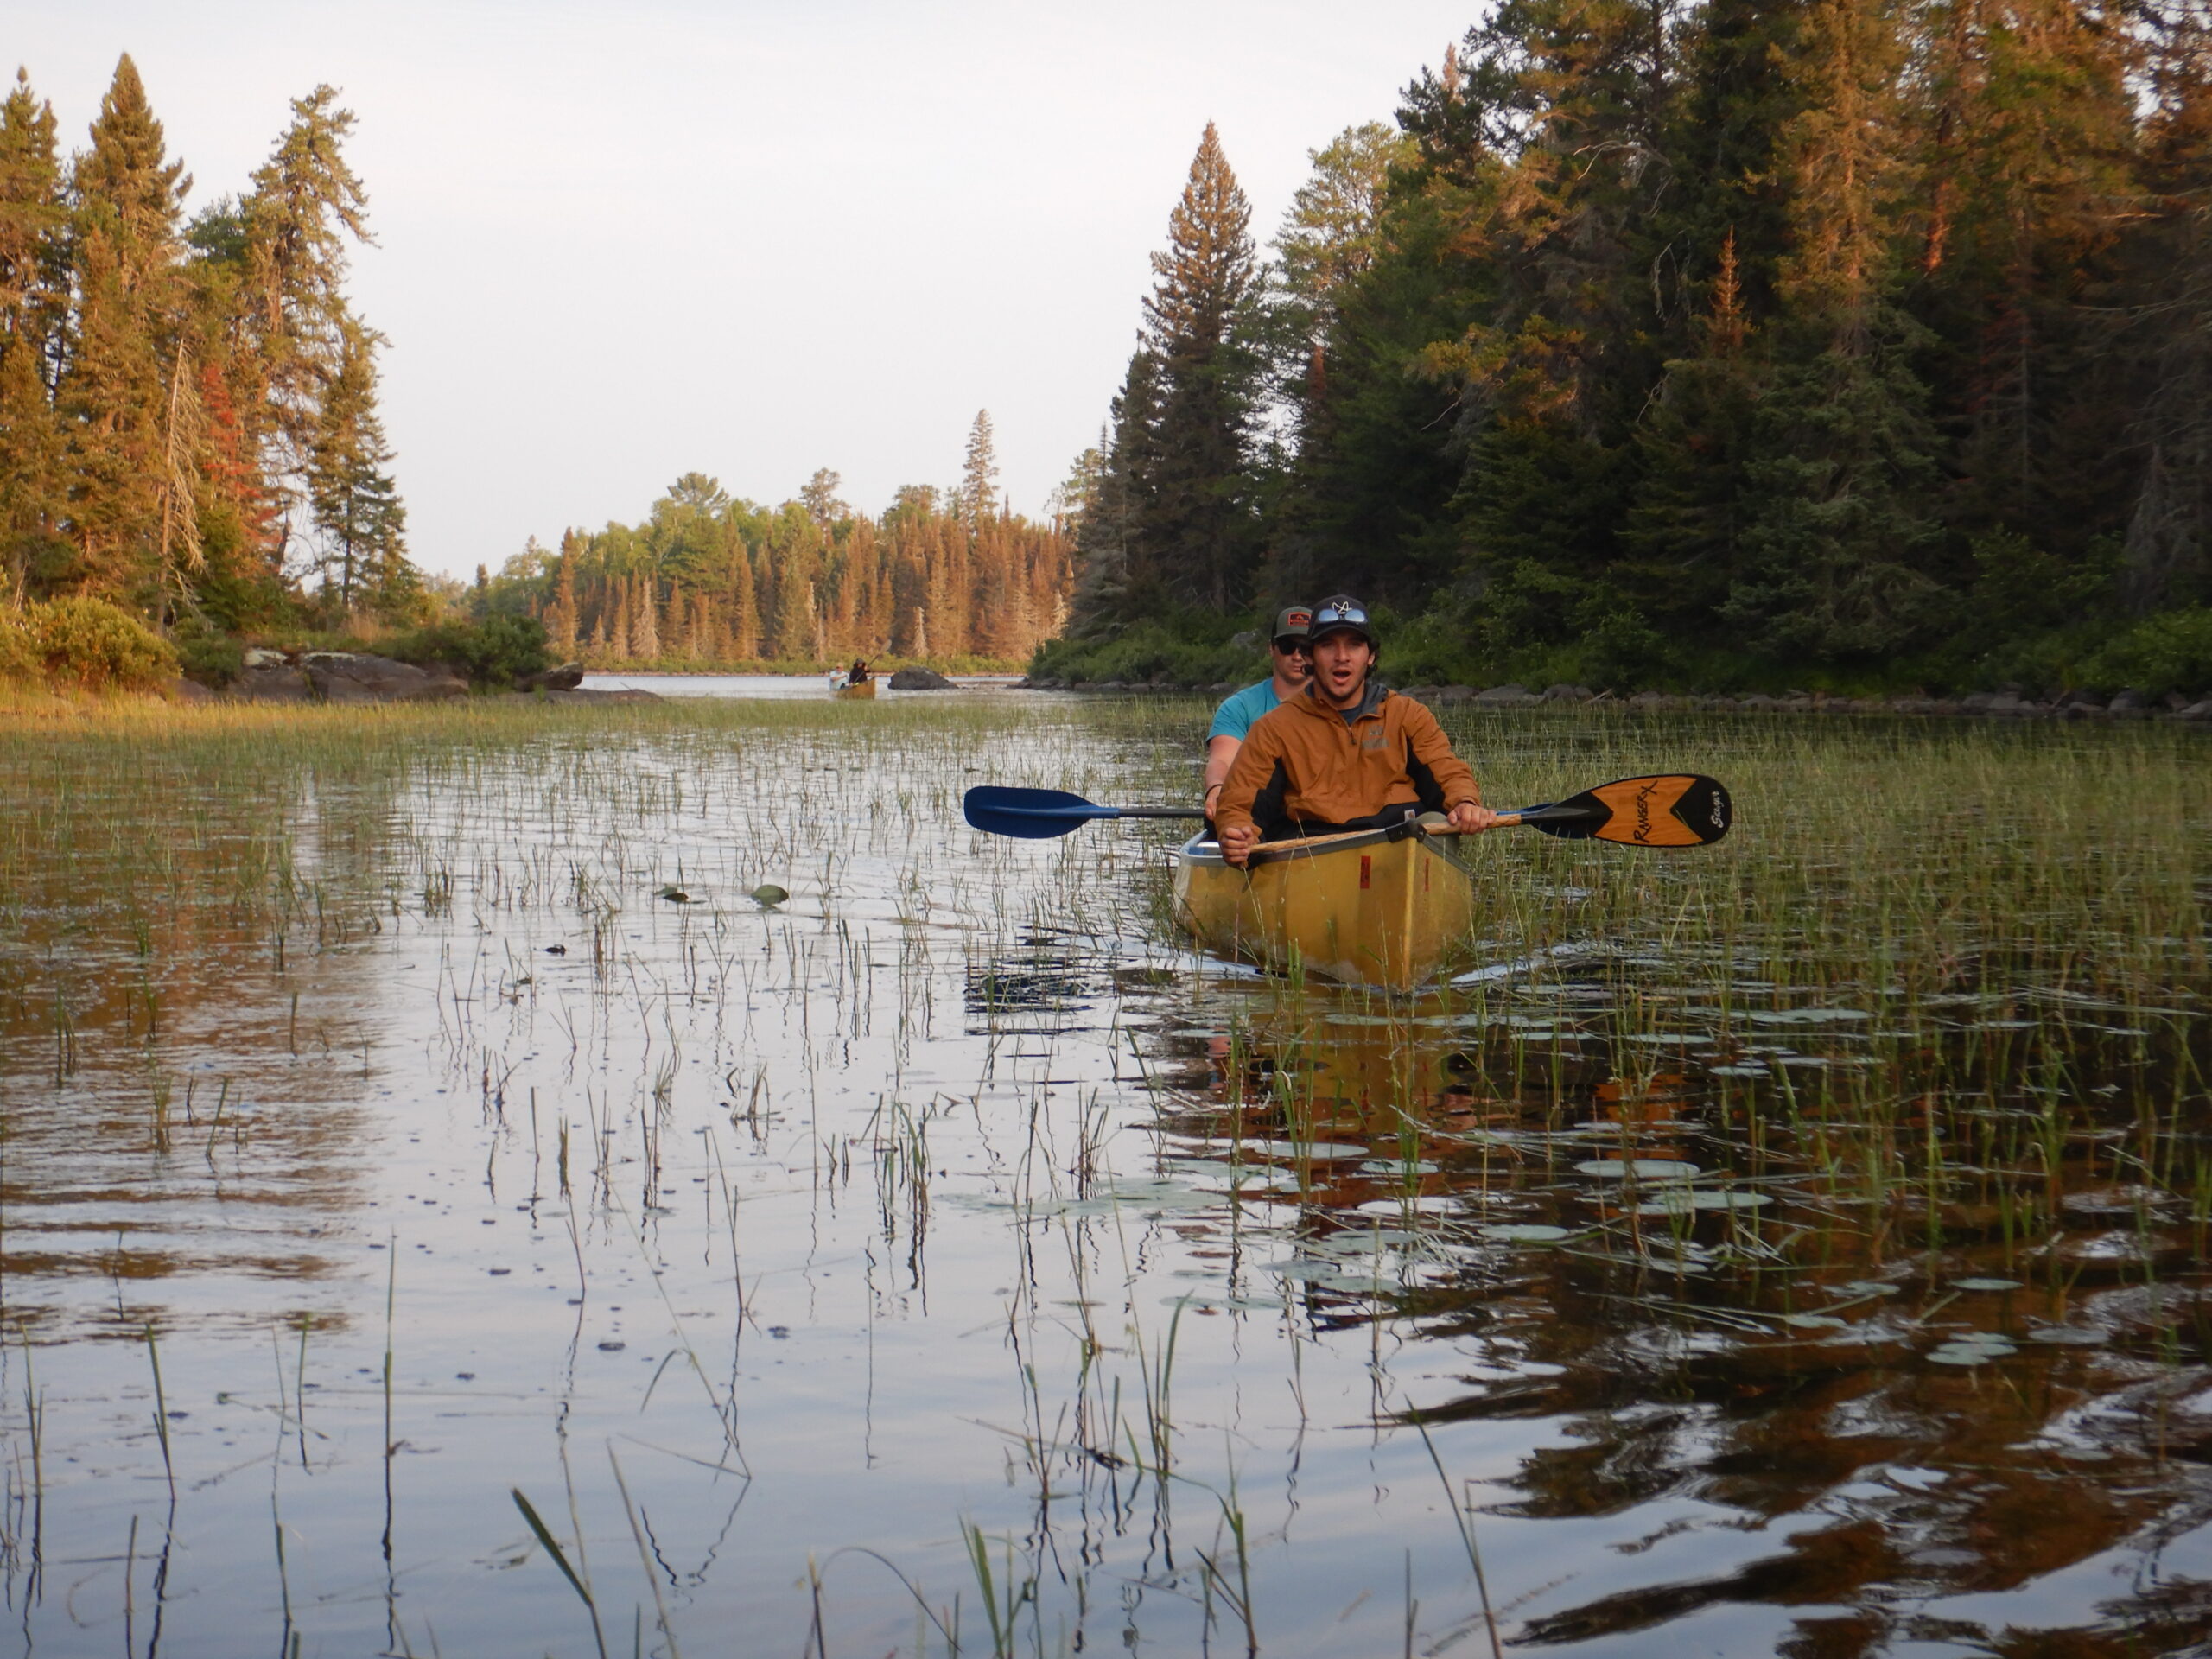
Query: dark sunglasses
{"points": [[1288, 645]]}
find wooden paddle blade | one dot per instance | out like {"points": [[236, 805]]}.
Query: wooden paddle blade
{"points": [[1028, 814], [1682, 810]]}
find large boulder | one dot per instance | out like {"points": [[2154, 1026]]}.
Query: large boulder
{"points": [[267, 683], [352, 676], [567, 677], [920, 679], [1506, 697]]}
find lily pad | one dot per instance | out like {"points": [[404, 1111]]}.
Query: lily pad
{"points": [[769, 894], [1523, 1233], [1985, 1284], [1971, 1353], [1677, 1204], [1642, 1169], [1392, 1166], [1814, 1322], [2069, 1336]]}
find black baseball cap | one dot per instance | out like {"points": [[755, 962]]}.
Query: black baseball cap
{"points": [[1340, 614]]}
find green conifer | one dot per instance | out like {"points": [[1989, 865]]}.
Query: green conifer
{"points": [[113, 392], [1192, 502], [356, 510]]}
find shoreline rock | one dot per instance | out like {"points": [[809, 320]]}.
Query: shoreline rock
{"points": [[567, 677], [354, 676], [920, 679], [346, 676]]}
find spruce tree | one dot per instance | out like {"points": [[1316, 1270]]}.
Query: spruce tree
{"points": [[1193, 507], [113, 392], [305, 204], [820, 499], [1682, 545], [34, 231], [34, 310], [979, 474], [1840, 538], [356, 510]]}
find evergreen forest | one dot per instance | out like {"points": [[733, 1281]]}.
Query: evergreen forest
{"points": [[1822, 343], [953, 576], [188, 424], [191, 454]]}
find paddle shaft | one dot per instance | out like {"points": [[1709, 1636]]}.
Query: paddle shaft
{"points": [[1675, 809]]}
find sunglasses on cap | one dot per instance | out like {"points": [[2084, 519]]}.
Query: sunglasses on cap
{"points": [[1339, 614]]}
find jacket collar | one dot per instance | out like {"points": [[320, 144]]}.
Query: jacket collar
{"points": [[1312, 704]]}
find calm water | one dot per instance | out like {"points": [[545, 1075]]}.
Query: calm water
{"points": [[811, 687], [944, 1252]]}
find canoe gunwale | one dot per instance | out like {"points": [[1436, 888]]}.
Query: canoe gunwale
{"points": [[1199, 850]]}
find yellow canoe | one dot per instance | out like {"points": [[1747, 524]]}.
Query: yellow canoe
{"points": [[865, 689], [1362, 908]]}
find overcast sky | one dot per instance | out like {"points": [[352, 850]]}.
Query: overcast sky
{"points": [[616, 244]]}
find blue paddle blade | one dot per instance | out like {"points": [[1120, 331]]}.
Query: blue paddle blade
{"points": [[1030, 814]]}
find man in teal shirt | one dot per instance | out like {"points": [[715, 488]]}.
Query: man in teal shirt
{"points": [[1238, 710]]}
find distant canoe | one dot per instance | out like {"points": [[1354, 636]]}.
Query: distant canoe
{"points": [[865, 689], [1361, 908]]}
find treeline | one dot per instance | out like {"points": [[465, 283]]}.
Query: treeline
{"points": [[188, 424], [708, 579], [1825, 340]]}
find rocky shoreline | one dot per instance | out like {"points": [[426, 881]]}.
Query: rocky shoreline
{"points": [[2009, 704], [359, 678]]}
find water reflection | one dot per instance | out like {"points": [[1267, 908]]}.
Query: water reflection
{"points": [[392, 1127], [1905, 1377]]}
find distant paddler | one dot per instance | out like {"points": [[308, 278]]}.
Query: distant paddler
{"points": [[1345, 752]]}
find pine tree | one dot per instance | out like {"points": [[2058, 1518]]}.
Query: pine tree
{"points": [[2030, 146], [31, 457], [1683, 541], [561, 616], [645, 622], [1839, 535], [1195, 524], [34, 231], [1329, 238], [820, 499], [357, 509], [979, 475], [1119, 579], [305, 203], [740, 609], [34, 305]]}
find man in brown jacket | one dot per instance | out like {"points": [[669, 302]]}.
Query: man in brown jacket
{"points": [[1343, 754]]}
